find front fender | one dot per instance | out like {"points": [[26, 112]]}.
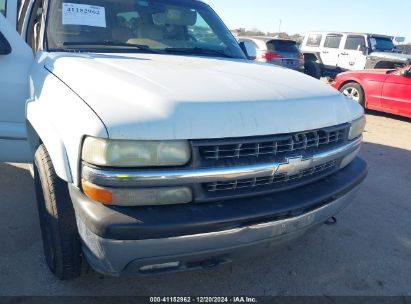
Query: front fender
{"points": [[41, 131], [375, 61], [60, 119]]}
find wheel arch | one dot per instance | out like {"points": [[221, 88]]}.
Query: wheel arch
{"points": [[308, 56], [345, 82], [40, 132]]}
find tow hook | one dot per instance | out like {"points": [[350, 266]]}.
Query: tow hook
{"points": [[331, 221]]}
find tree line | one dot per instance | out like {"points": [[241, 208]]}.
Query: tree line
{"points": [[257, 32]]}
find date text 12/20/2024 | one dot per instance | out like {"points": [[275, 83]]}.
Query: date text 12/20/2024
{"points": [[239, 299]]}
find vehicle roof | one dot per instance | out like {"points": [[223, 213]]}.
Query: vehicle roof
{"points": [[351, 33]]}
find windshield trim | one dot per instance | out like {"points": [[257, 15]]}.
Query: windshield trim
{"points": [[138, 51], [199, 51], [109, 50]]}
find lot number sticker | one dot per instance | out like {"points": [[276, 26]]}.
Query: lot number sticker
{"points": [[81, 14]]}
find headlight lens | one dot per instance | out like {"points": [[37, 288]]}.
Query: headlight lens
{"points": [[357, 128], [125, 153]]}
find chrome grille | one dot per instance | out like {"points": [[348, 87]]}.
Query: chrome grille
{"points": [[268, 180], [275, 145]]}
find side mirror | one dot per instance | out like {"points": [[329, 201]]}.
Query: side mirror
{"points": [[249, 50], [5, 47]]}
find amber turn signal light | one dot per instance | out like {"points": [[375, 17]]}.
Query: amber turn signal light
{"points": [[97, 193]]}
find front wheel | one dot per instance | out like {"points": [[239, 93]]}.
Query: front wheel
{"points": [[355, 92], [312, 69], [61, 241]]}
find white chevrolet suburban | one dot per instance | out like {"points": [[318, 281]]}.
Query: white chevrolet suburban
{"points": [[156, 145]]}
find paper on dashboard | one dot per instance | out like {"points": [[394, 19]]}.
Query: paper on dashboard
{"points": [[81, 14]]}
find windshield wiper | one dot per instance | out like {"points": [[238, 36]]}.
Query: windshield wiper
{"points": [[197, 51], [111, 43]]}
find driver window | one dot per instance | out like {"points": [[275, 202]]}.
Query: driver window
{"points": [[3, 7], [355, 43], [33, 33]]}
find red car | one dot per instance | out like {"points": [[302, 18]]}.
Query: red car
{"points": [[382, 90]]}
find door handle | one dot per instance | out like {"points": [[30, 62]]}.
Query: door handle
{"points": [[344, 54], [325, 52]]}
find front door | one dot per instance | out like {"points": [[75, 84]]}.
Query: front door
{"points": [[396, 94], [15, 61], [353, 54]]}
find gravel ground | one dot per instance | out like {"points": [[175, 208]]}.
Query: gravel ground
{"points": [[367, 253]]}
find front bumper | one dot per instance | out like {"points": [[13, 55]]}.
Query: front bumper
{"points": [[120, 240]]}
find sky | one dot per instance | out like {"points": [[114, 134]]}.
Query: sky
{"points": [[389, 17]]}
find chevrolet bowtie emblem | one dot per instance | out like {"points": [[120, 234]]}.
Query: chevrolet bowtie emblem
{"points": [[293, 166]]}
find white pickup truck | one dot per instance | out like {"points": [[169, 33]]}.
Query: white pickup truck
{"points": [[156, 145]]}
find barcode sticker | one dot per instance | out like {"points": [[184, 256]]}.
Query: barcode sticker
{"points": [[81, 14]]}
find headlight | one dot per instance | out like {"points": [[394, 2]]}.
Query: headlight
{"points": [[125, 153], [357, 128]]}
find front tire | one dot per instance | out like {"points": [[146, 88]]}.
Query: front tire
{"points": [[313, 69], [354, 91], [61, 241]]}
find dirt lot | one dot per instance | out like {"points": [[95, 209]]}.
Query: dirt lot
{"points": [[367, 253]]}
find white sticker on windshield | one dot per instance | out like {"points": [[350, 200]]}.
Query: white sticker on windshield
{"points": [[81, 14]]}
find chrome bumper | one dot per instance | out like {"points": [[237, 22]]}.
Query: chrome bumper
{"points": [[179, 177], [115, 257]]}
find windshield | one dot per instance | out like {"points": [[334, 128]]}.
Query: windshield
{"points": [[155, 26], [382, 44]]}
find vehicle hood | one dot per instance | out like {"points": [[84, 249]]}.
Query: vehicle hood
{"points": [[391, 55], [368, 72], [153, 96]]}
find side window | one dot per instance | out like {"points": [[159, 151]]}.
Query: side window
{"points": [[314, 40], [332, 41], [3, 7], [249, 41], [356, 43], [33, 33]]}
